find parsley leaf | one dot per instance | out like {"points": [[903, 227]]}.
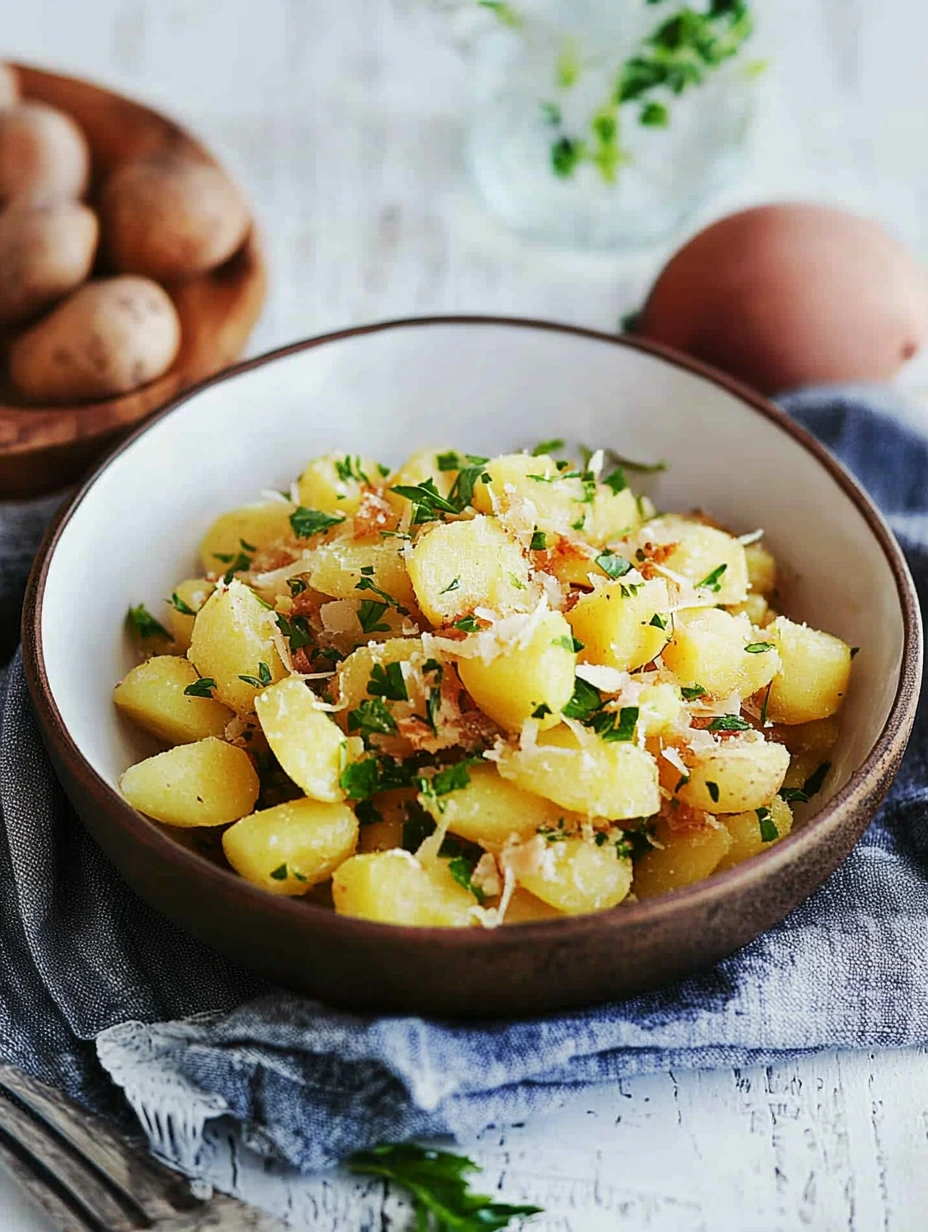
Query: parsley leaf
{"points": [[145, 625], [454, 584], [296, 585], [387, 681], [616, 481], [201, 688], [539, 541], [759, 647], [452, 778], [263, 678], [184, 608], [610, 730], [713, 790], [692, 691], [768, 827], [296, 629], [468, 624], [542, 711], [349, 467], [712, 581], [372, 718], [279, 873], [544, 448], [729, 723], [360, 779], [584, 703], [565, 643], [367, 583], [369, 614], [658, 621], [308, 522], [612, 564], [428, 501]]}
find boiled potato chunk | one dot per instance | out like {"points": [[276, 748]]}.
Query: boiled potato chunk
{"points": [[307, 742], [192, 594], [611, 516], [578, 876], [525, 908], [740, 773], [152, 695], [422, 466], [458, 566], [246, 530], [709, 647], [334, 482], [661, 709], [232, 637], [746, 837], [513, 473], [355, 672], [534, 677], [337, 566], [699, 552], [293, 846], [756, 608], [622, 626], [615, 780], [209, 783], [814, 672], [685, 855], [762, 569], [392, 887], [491, 809]]}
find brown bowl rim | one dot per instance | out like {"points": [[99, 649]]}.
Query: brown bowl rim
{"points": [[282, 910]]}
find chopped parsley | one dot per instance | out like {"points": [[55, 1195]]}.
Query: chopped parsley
{"points": [[426, 500], [811, 787], [585, 702], [452, 778], [713, 790], [712, 581], [682, 783], [516, 581], [179, 605], [307, 522], [658, 621], [542, 711], [296, 585], [367, 813], [692, 691], [468, 624], [367, 583], [616, 481], [768, 827], [566, 643], [462, 861], [372, 718], [545, 448], [369, 614], [454, 584], [614, 565], [145, 625], [365, 778], [614, 728], [296, 629], [387, 681], [759, 647], [855, 651], [349, 467], [763, 709], [539, 541], [237, 564], [729, 723], [201, 688], [279, 873], [263, 678]]}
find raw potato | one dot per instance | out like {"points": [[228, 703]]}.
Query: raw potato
{"points": [[739, 773], [209, 783], [193, 593], [45, 252], [44, 155], [525, 677], [394, 888], [746, 840], [491, 809], [9, 85], [152, 695], [171, 218], [814, 673], [615, 781], [708, 648], [622, 626], [462, 565], [323, 487], [292, 847], [247, 529], [108, 337], [578, 877], [232, 637], [685, 856], [306, 741]]}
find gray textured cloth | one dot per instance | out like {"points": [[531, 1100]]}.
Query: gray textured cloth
{"points": [[90, 974]]}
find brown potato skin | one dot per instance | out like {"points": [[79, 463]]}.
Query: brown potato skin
{"points": [[788, 295], [44, 155], [45, 252], [171, 218], [9, 85], [108, 337]]}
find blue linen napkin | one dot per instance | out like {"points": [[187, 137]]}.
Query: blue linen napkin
{"points": [[95, 986]]}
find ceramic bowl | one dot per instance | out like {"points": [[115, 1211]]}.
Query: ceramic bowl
{"points": [[483, 386]]}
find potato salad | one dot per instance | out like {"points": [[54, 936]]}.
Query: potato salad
{"points": [[478, 691]]}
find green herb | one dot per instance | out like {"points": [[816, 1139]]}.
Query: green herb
{"points": [[615, 729], [416, 828], [452, 778], [462, 860], [692, 691], [369, 614], [759, 647], [628, 590], [367, 583], [296, 629], [145, 625], [584, 703], [453, 585], [763, 709], [516, 581], [263, 678], [184, 608], [432, 665], [630, 321], [813, 784], [565, 642], [436, 1180], [551, 114], [504, 12], [349, 468], [372, 718], [729, 723], [616, 481], [566, 153], [539, 541], [468, 624], [658, 621], [387, 681], [296, 585], [713, 790], [546, 448], [768, 827], [579, 524], [279, 873], [712, 581], [462, 493], [360, 779], [428, 503], [614, 565], [308, 522], [367, 813], [542, 711], [682, 783], [433, 708], [855, 651], [239, 564], [201, 688], [654, 115]]}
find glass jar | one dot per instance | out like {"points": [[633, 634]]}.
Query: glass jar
{"points": [[558, 161]]}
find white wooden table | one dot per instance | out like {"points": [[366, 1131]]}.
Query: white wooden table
{"points": [[344, 119]]}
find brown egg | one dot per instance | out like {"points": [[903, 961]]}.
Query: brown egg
{"points": [[789, 295]]}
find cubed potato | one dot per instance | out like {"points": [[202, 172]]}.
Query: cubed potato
{"points": [[579, 876], [756, 608], [815, 669], [353, 622], [457, 566], [739, 773], [621, 625], [307, 742], [392, 887], [423, 465], [232, 638], [612, 515], [534, 678], [247, 530], [521, 475], [747, 835], [762, 569], [661, 709], [355, 672], [190, 595], [809, 745], [596, 779], [335, 482], [337, 567], [209, 783], [685, 855], [491, 809], [152, 695], [293, 846], [699, 553], [709, 647], [525, 908]]}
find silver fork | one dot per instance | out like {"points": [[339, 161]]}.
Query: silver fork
{"points": [[87, 1179]]}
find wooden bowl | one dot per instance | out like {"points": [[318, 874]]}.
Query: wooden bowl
{"points": [[45, 447], [483, 386]]}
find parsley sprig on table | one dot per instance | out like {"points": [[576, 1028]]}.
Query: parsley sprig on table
{"points": [[442, 1199]]}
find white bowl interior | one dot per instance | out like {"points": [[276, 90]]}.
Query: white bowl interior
{"points": [[481, 387]]}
